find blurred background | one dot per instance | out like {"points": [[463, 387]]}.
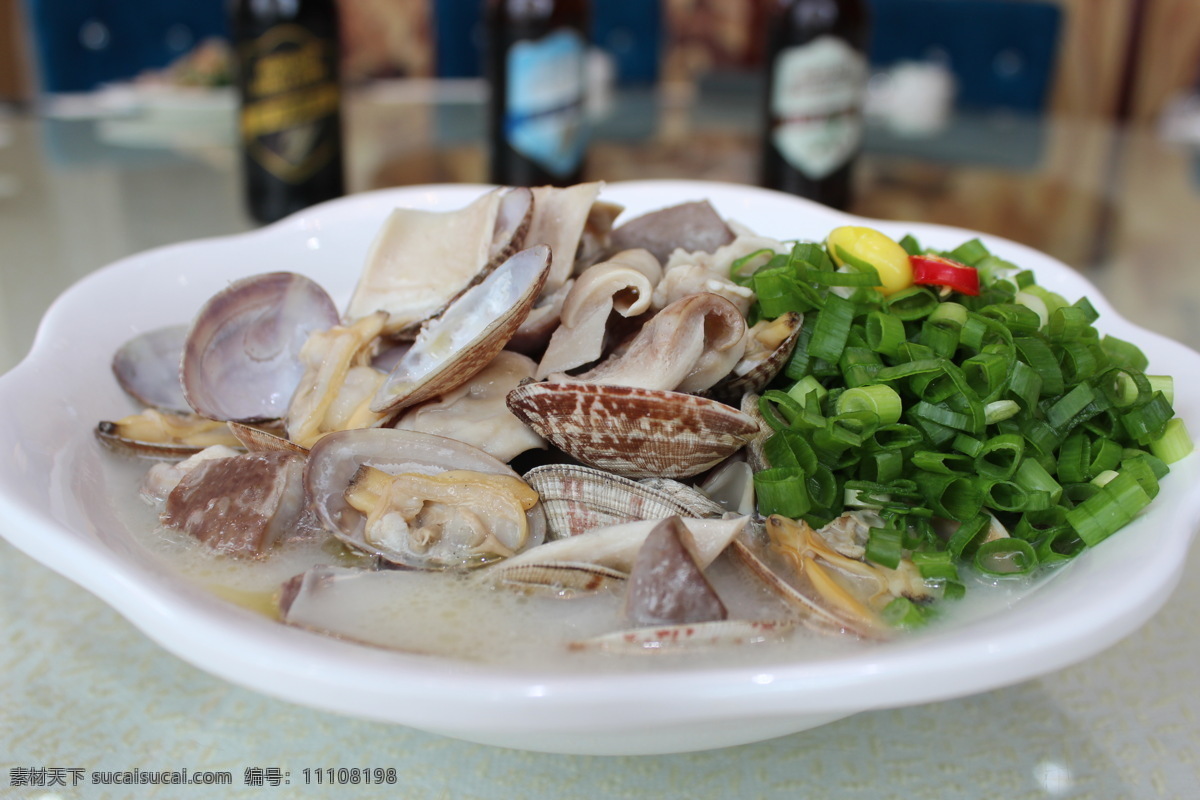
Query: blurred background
{"points": [[984, 113], [1127, 58]]}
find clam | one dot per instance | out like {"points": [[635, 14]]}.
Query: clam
{"points": [[693, 226], [615, 547], [164, 434], [595, 240], [259, 440], [832, 591], [338, 383], [427, 543], [241, 358], [633, 432], [561, 217], [456, 518], [239, 505], [147, 367], [533, 336], [577, 499], [769, 345], [563, 579], [688, 346], [693, 501], [471, 332], [755, 455], [666, 585], [475, 412], [624, 284], [163, 476], [400, 277], [731, 486]]}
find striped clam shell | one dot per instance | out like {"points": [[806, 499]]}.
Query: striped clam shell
{"points": [[578, 498], [637, 433]]}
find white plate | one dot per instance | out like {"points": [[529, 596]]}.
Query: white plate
{"points": [[58, 504]]}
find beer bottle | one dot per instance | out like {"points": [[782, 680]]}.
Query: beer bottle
{"points": [[290, 117], [816, 81], [536, 57]]}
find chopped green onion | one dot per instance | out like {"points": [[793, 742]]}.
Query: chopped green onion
{"points": [[1164, 384], [912, 303], [1174, 443], [884, 546], [965, 537], [903, 613], [1124, 353], [884, 332], [879, 399], [1006, 557], [970, 253], [935, 565], [782, 490], [1000, 410], [831, 328]]}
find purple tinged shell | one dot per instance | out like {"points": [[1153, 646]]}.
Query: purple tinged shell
{"points": [[240, 361]]}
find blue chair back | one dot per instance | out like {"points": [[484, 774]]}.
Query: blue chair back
{"points": [[81, 44], [1001, 52]]}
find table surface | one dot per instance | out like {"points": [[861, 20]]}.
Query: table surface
{"points": [[80, 688]]}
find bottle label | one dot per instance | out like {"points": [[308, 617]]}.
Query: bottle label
{"points": [[544, 116], [816, 104], [289, 115]]}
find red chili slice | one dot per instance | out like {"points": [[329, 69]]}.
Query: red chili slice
{"points": [[941, 271]]}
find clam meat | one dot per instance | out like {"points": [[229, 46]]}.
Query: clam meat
{"points": [[452, 506], [476, 413], [457, 518]]}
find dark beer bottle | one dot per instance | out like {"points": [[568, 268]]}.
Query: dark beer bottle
{"points": [[290, 117], [536, 55], [817, 72]]}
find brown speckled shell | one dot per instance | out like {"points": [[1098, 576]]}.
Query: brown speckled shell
{"points": [[633, 432], [257, 440]]}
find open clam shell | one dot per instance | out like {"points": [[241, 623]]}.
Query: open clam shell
{"points": [[336, 458], [165, 435], [241, 358], [513, 218], [147, 367], [472, 331], [633, 432], [759, 367], [465, 244]]}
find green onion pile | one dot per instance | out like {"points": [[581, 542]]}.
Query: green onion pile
{"points": [[947, 413]]}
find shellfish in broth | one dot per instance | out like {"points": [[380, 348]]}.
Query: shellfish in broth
{"points": [[637, 399]]}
